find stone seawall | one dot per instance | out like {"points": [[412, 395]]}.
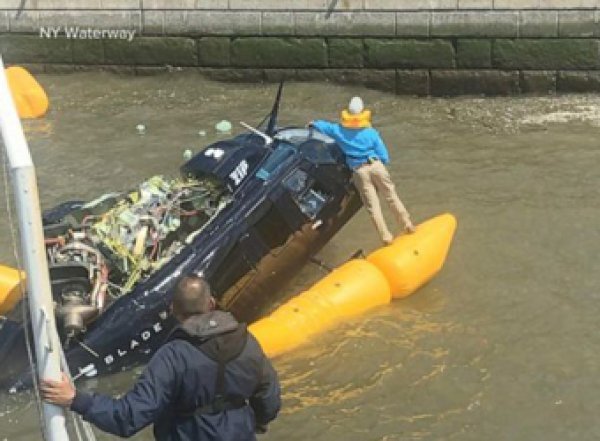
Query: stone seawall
{"points": [[438, 47]]}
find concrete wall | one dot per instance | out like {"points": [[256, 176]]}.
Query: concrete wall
{"points": [[405, 46]]}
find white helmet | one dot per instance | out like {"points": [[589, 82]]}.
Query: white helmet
{"points": [[356, 105]]}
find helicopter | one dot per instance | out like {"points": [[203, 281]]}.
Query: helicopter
{"points": [[246, 213]]}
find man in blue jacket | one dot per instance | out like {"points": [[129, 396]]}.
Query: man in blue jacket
{"points": [[210, 381], [366, 155]]}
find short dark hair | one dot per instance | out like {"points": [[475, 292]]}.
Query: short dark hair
{"points": [[192, 296]]}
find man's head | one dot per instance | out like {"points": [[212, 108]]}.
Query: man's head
{"points": [[192, 296], [355, 116]]}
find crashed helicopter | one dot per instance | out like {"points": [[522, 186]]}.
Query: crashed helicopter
{"points": [[246, 213]]}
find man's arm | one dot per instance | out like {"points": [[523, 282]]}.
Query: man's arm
{"points": [[152, 394], [380, 148], [266, 400], [325, 127]]}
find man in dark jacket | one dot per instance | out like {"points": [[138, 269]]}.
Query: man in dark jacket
{"points": [[210, 381]]}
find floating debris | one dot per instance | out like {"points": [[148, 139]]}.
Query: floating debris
{"points": [[187, 154], [201, 132], [141, 129], [223, 127]]}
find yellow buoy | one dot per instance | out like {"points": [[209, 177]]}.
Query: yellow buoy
{"points": [[359, 285], [10, 291], [413, 259], [29, 97], [349, 290]]}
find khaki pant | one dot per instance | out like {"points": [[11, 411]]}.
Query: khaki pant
{"points": [[371, 180]]}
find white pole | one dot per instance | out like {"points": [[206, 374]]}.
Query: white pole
{"points": [[47, 349]]}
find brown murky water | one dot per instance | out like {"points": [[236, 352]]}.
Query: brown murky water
{"points": [[502, 345]]}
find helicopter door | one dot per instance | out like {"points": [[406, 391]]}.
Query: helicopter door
{"points": [[235, 271], [273, 229], [238, 268]]}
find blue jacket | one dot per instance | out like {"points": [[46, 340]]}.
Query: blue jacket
{"points": [[358, 144], [182, 376]]}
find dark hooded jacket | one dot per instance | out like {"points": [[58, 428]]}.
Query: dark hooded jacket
{"points": [[177, 389]]}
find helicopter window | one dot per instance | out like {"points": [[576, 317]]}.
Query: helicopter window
{"points": [[299, 135], [309, 200], [296, 182], [275, 160], [312, 201], [273, 229], [319, 153]]}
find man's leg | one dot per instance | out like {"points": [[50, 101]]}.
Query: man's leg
{"points": [[362, 181], [383, 182]]}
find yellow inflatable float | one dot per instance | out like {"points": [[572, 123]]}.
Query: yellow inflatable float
{"points": [[29, 97], [347, 291], [413, 259], [390, 272], [10, 291]]}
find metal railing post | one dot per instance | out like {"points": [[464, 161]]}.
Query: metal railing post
{"points": [[41, 307]]}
